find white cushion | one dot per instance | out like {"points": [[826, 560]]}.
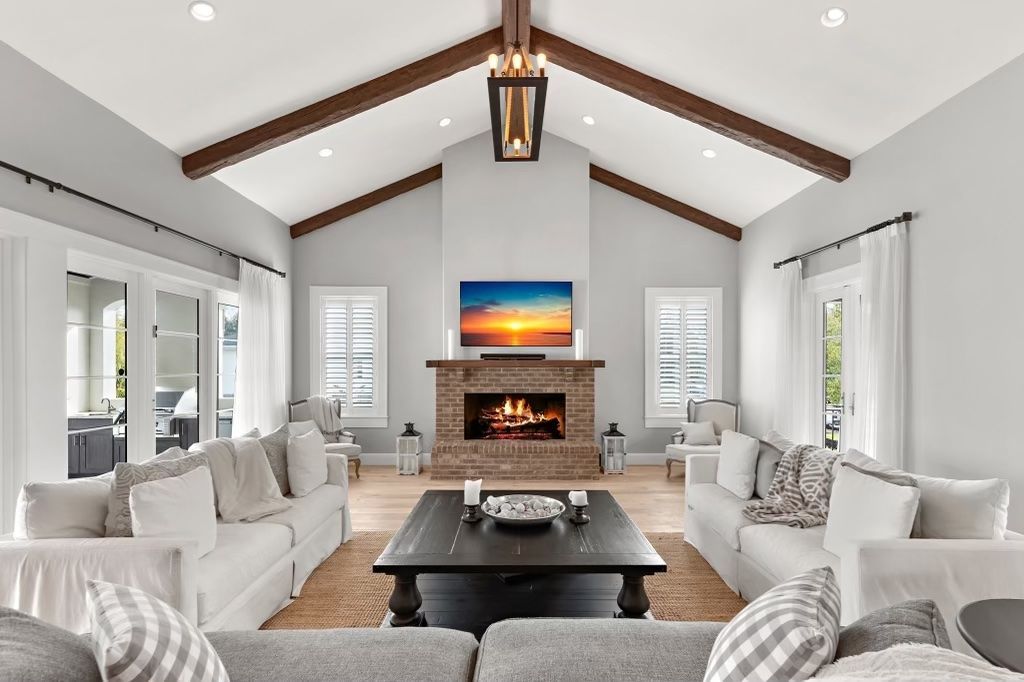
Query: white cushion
{"points": [[244, 552], [347, 449], [737, 464], [863, 507], [785, 551], [177, 507], [719, 509], [307, 463], [304, 427], [778, 440], [64, 509], [309, 512], [963, 509], [139, 637], [699, 433], [953, 509]]}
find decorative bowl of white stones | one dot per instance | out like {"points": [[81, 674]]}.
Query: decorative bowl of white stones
{"points": [[522, 510]]}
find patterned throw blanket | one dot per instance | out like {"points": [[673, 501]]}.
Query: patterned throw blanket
{"points": [[798, 495]]}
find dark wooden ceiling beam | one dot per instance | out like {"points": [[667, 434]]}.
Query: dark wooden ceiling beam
{"points": [[378, 196], [515, 16], [665, 203], [688, 106], [347, 104]]}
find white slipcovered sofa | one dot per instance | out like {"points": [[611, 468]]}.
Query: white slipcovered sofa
{"points": [[752, 558], [253, 571]]}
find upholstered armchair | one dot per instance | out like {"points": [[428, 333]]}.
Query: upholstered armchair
{"points": [[723, 415], [339, 442]]}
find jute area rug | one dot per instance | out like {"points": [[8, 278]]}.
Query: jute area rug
{"points": [[344, 593]]}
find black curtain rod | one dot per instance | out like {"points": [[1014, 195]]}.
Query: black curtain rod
{"points": [[905, 217], [53, 185]]}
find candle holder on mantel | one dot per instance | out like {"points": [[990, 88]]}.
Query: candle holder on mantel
{"points": [[471, 515]]}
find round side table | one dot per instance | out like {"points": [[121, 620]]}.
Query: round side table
{"points": [[995, 629]]}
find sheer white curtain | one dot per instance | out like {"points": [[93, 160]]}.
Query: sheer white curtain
{"points": [[260, 395], [793, 382], [881, 363]]}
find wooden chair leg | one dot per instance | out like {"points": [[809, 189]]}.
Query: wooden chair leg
{"points": [[357, 463], [668, 465]]}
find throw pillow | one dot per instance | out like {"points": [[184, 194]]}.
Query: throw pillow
{"points": [[126, 475], [785, 634], [254, 432], [276, 446], [778, 440], [917, 621], [737, 464], [917, 662], [307, 463], [302, 428], [865, 507], [35, 650], [701, 433], [768, 458], [964, 510], [176, 507], [63, 509], [138, 637], [244, 488], [169, 453]]}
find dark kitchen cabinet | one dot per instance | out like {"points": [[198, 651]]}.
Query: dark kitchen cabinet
{"points": [[94, 449]]}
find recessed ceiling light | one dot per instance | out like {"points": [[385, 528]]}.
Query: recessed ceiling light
{"points": [[589, 120], [708, 153], [833, 16], [325, 152], [444, 122], [202, 10]]}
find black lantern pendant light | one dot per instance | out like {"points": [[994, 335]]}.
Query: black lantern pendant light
{"points": [[517, 97]]}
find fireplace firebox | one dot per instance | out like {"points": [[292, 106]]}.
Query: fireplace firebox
{"points": [[515, 416]]}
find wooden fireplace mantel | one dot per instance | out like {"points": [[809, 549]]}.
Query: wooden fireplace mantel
{"points": [[517, 364]]}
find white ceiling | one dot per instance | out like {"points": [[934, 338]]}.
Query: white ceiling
{"points": [[188, 84]]}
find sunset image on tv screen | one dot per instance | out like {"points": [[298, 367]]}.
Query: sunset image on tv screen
{"points": [[516, 313]]}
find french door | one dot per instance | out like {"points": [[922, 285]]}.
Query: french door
{"points": [[837, 312]]}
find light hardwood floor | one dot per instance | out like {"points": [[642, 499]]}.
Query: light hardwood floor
{"points": [[381, 499]]}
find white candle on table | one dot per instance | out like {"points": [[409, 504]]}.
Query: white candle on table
{"points": [[472, 492], [451, 344], [578, 498], [579, 344]]}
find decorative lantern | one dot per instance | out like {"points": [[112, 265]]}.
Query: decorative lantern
{"points": [[613, 450], [409, 446]]}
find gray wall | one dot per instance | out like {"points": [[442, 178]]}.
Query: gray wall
{"points": [[958, 169], [515, 221], [48, 127], [633, 246], [398, 245]]}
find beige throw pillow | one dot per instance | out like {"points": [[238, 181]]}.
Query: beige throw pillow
{"points": [[126, 475], [700, 433]]}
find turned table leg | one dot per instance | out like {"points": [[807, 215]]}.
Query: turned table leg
{"points": [[633, 598], [405, 602]]}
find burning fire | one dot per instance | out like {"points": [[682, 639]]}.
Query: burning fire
{"points": [[520, 412]]}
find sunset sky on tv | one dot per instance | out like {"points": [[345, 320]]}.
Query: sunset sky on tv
{"points": [[516, 313]]}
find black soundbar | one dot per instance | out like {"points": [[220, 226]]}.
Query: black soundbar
{"points": [[513, 356]]}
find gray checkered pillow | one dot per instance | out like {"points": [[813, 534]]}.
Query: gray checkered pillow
{"points": [[785, 634], [138, 637]]}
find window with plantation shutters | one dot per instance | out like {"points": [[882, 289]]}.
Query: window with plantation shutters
{"points": [[349, 350], [683, 356]]}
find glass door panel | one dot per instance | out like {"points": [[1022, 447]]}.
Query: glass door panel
{"points": [[97, 376], [227, 361], [176, 403]]}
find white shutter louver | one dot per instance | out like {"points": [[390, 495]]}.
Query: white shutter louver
{"points": [[364, 344], [334, 342], [670, 347], [696, 356], [683, 352], [349, 343]]}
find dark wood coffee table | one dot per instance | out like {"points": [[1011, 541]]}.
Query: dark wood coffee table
{"points": [[993, 628], [434, 539]]}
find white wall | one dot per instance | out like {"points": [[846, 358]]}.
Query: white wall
{"points": [[398, 245], [633, 246], [515, 221], [958, 169]]}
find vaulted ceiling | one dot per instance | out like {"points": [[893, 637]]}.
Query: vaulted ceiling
{"points": [[189, 84]]}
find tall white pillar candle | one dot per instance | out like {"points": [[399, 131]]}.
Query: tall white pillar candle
{"points": [[451, 345], [578, 342], [472, 491]]}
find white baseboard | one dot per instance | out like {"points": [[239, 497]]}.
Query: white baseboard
{"points": [[388, 458]]}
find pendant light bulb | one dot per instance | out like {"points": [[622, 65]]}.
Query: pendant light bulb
{"points": [[517, 61], [516, 143], [492, 61], [542, 61]]}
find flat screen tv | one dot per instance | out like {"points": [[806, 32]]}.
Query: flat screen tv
{"points": [[507, 314]]}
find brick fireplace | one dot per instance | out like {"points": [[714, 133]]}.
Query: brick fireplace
{"points": [[533, 446]]}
